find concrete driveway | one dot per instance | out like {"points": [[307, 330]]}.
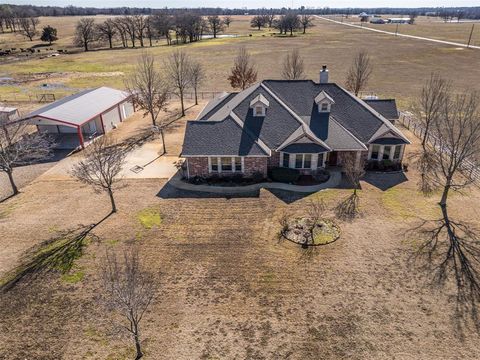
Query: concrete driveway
{"points": [[143, 162]]}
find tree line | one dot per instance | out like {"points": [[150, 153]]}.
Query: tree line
{"points": [[289, 22], [141, 30], [468, 12]]}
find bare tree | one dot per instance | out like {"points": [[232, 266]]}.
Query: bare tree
{"points": [[354, 170], [149, 90], [430, 103], [454, 245], [216, 25], [243, 73], [101, 166], [306, 21], [429, 108], [85, 33], [28, 26], [359, 72], [227, 20], [178, 68], [140, 24], [19, 147], [293, 67], [197, 75], [129, 291], [106, 31], [258, 22]]}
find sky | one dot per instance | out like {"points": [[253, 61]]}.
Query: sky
{"points": [[247, 3]]}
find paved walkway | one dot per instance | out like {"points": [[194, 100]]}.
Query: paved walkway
{"points": [[334, 181], [398, 34]]}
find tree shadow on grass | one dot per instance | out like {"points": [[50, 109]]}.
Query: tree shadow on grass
{"points": [[57, 254], [449, 252], [348, 208]]}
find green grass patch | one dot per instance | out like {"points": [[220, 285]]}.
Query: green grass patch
{"points": [[407, 203], [73, 278], [149, 218]]}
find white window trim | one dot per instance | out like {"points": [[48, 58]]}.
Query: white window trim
{"points": [[219, 164], [313, 161], [382, 149], [320, 107]]}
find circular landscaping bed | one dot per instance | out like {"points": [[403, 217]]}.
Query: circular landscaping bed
{"points": [[308, 232]]}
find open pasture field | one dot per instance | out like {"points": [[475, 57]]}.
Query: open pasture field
{"points": [[431, 27], [228, 288], [400, 64]]}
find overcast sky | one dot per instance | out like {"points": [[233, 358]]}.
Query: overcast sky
{"points": [[247, 3]]}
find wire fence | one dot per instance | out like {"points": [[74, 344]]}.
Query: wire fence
{"points": [[470, 168], [46, 97]]}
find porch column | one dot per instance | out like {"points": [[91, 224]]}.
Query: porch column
{"points": [[80, 136]]}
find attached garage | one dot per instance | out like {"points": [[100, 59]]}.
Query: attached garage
{"points": [[76, 120]]}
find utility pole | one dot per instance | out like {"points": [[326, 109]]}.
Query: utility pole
{"points": [[396, 30], [470, 37]]}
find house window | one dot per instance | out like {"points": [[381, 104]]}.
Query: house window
{"points": [[324, 107], [214, 164], [238, 164], [259, 111], [286, 160], [226, 163], [307, 161], [375, 151], [320, 160], [298, 161], [396, 154], [386, 152]]}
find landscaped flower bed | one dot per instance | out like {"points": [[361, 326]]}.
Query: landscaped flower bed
{"points": [[309, 232]]}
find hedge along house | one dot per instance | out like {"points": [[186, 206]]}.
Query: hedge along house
{"points": [[297, 124], [76, 120]]}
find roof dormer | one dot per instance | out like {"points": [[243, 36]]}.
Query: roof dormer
{"points": [[259, 105], [324, 102]]}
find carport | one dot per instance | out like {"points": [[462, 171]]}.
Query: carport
{"points": [[76, 120]]}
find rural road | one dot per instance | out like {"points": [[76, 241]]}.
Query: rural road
{"points": [[398, 34]]}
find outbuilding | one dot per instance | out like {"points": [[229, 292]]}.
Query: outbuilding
{"points": [[76, 120]]}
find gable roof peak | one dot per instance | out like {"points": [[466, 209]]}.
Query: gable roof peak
{"points": [[323, 96], [259, 99]]}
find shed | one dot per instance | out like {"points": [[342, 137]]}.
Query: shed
{"points": [[76, 120]]}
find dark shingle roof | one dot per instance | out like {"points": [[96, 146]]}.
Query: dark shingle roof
{"points": [[218, 138], [349, 112], [386, 107], [215, 104], [273, 128]]}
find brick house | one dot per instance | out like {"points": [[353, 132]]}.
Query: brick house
{"points": [[299, 124]]}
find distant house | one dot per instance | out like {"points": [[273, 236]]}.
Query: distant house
{"points": [[8, 114], [299, 124], [77, 119], [364, 17], [386, 107], [399, 20]]}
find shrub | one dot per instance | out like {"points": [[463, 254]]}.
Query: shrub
{"points": [[257, 177], [285, 175], [322, 175]]}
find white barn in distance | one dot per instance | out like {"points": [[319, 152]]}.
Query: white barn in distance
{"points": [[76, 120]]}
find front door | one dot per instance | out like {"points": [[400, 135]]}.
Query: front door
{"points": [[332, 158]]}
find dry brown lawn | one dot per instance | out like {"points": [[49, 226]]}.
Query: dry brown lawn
{"points": [[228, 288], [400, 64]]}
